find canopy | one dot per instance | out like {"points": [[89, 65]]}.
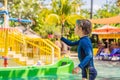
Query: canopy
{"points": [[111, 20], [106, 30], [3, 12]]}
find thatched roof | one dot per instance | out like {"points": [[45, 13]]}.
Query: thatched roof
{"points": [[111, 20], [28, 32]]}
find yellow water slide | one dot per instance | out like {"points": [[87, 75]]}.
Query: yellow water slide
{"points": [[26, 50]]}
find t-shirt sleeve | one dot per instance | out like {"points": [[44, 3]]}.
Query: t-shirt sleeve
{"points": [[70, 43]]}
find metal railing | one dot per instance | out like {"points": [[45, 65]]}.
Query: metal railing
{"points": [[28, 47]]}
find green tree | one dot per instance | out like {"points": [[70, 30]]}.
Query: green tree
{"points": [[26, 9], [108, 10], [39, 25], [64, 10]]}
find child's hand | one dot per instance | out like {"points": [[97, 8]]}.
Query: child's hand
{"points": [[58, 36], [76, 70]]}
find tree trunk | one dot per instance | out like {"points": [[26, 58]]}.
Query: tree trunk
{"points": [[62, 30]]}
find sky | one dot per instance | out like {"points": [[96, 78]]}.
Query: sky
{"points": [[96, 3]]}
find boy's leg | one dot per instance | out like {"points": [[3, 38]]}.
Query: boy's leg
{"points": [[92, 73], [84, 74]]}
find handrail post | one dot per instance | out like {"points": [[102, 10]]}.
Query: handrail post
{"points": [[52, 55]]}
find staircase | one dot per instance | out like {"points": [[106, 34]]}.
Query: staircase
{"points": [[18, 58]]}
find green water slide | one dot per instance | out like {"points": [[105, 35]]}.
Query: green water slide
{"points": [[63, 66]]}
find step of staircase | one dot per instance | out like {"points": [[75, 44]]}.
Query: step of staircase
{"points": [[23, 58], [30, 62], [20, 59], [17, 56], [11, 53]]}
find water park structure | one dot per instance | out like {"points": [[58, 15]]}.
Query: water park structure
{"points": [[35, 56], [28, 51], [23, 49]]}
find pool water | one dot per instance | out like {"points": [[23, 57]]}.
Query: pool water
{"points": [[106, 71]]}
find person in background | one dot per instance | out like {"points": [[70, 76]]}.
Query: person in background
{"points": [[106, 44], [65, 51], [58, 43], [85, 50], [100, 47]]}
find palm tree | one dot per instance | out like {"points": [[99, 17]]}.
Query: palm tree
{"points": [[118, 3], [64, 12]]}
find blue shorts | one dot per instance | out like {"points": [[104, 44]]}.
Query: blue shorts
{"points": [[92, 73]]}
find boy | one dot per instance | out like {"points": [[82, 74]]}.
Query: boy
{"points": [[85, 51]]}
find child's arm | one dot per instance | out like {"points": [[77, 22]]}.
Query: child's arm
{"points": [[70, 43]]}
